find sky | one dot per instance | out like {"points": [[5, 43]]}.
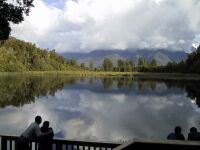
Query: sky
{"points": [[87, 25]]}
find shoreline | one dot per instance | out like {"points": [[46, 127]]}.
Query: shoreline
{"points": [[180, 76]]}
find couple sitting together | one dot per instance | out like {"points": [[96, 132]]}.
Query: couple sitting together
{"points": [[42, 135]]}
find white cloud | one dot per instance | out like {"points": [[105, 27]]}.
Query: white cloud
{"points": [[112, 24]]}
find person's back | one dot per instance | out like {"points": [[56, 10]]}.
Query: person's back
{"points": [[45, 142], [193, 135], [171, 136], [177, 135], [30, 132]]}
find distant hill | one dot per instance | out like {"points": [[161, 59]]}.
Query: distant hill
{"points": [[17, 55], [162, 56]]}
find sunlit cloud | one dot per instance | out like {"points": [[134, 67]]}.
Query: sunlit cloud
{"points": [[86, 25]]}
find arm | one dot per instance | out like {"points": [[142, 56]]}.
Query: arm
{"points": [[39, 134]]}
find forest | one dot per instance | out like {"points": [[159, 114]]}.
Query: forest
{"points": [[18, 56], [190, 65]]}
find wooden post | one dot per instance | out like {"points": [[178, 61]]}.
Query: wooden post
{"points": [[58, 146], [3, 143], [16, 145]]}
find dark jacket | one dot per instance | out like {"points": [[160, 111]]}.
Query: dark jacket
{"points": [[45, 143], [173, 136], [194, 136]]}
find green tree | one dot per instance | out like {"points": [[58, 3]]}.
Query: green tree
{"points": [[91, 65], [107, 64], [128, 66], [14, 13], [153, 63], [73, 62], [17, 55], [82, 65], [142, 62], [121, 65], [193, 61]]}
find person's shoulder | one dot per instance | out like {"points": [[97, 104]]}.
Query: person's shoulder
{"points": [[171, 136], [35, 125]]}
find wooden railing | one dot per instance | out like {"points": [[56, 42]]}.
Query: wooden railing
{"points": [[11, 143]]}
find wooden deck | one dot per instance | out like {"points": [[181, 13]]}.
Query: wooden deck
{"points": [[140, 144]]}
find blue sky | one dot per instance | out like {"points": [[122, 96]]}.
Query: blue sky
{"points": [[56, 3], [87, 25]]}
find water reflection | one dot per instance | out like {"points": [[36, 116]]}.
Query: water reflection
{"points": [[99, 109]]}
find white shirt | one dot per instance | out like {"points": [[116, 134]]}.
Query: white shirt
{"points": [[32, 132]]}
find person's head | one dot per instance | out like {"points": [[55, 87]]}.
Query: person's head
{"points": [[38, 119], [177, 130], [46, 124], [193, 129]]}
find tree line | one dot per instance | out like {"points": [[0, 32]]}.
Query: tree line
{"points": [[17, 55], [190, 65], [122, 65]]}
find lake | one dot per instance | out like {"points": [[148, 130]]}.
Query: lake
{"points": [[99, 108]]}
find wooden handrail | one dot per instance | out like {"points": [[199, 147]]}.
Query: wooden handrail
{"points": [[59, 143]]}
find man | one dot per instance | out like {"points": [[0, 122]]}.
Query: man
{"points": [[194, 135], [177, 135], [32, 132]]}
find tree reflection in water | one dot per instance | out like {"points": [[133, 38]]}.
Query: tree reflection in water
{"points": [[18, 90]]}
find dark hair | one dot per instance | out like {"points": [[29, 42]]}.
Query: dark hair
{"points": [[177, 129], [38, 119], [46, 123], [193, 129]]}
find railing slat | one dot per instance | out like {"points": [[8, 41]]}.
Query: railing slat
{"points": [[16, 145], [10, 144], [36, 145], [58, 146], [31, 145]]}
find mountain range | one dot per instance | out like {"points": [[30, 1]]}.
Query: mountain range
{"points": [[162, 56]]}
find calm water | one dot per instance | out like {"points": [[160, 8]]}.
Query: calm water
{"points": [[99, 109]]}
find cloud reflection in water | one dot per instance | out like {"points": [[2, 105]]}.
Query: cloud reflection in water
{"points": [[83, 113]]}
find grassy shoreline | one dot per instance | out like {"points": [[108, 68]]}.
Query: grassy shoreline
{"points": [[108, 74]]}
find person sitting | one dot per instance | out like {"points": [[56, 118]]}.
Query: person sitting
{"points": [[193, 135], [177, 135], [45, 142], [33, 132]]}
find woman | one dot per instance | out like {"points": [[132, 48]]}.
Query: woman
{"points": [[45, 143]]}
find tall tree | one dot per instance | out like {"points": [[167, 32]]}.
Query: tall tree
{"points": [[12, 12], [121, 65], [73, 62], [142, 62], [82, 65], [91, 65], [107, 64], [153, 63]]}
